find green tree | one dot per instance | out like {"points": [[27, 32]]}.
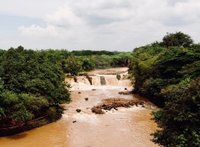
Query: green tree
{"points": [[30, 84], [72, 65], [87, 64], [177, 39], [170, 77], [180, 117]]}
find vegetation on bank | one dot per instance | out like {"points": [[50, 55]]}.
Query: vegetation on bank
{"points": [[168, 73], [31, 86], [86, 60], [32, 83]]}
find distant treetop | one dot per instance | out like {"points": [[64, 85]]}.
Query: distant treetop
{"points": [[177, 39]]}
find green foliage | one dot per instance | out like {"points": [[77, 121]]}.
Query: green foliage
{"points": [[121, 59], [87, 64], [141, 66], [72, 65], [177, 39], [30, 82], [86, 60], [102, 61], [91, 52], [22, 107], [168, 74], [154, 68], [54, 113], [180, 117]]}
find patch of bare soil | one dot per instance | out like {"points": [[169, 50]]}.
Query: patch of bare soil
{"points": [[114, 103]]}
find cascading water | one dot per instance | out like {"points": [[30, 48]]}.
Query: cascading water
{"points": [[125, 127], [102, 80], [98, 80]]}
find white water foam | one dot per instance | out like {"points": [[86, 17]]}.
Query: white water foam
{"points": [[82, 117]]}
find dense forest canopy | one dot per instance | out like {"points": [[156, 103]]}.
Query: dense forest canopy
{"points": [[30, 82], [168, 73]]}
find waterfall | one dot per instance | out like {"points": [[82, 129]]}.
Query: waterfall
{"points": [[96, 80], [102, 80]]}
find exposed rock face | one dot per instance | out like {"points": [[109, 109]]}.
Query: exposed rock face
{"points": [[118, 77], [109, 104], [75, 79], [89, 79], [97, 110]]}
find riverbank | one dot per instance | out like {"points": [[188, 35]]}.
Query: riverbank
{"points": [[52, 115], [122, 127]]}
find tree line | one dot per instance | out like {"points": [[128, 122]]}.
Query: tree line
{"points": [[76, 63]]}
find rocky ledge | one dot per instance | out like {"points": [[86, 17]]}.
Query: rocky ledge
{"points": [[114, 103]]}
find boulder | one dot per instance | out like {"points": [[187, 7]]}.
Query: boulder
{"points": [[78, 110]]}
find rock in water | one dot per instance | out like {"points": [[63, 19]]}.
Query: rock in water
{"points": [[78, 110], [118, 77]]}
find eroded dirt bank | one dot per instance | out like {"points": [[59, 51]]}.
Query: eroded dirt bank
{"points": [[79, 127]]}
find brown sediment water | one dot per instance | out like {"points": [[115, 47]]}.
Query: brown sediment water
{"points": [[51, 135], [125, 127]]}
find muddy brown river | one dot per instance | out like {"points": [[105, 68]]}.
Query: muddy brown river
{"points": [[124, 127]]}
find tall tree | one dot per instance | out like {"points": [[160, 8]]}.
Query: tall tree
{"points": [[177, 39]]}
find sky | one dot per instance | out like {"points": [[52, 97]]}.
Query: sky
{"points": [[95, 24]]}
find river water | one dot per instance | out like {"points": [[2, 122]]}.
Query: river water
{"points": [[125, 127]]}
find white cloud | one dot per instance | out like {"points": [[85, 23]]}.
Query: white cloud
{"points": [[29, 8], [38, 31], [103, 24], [64, 17]]}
